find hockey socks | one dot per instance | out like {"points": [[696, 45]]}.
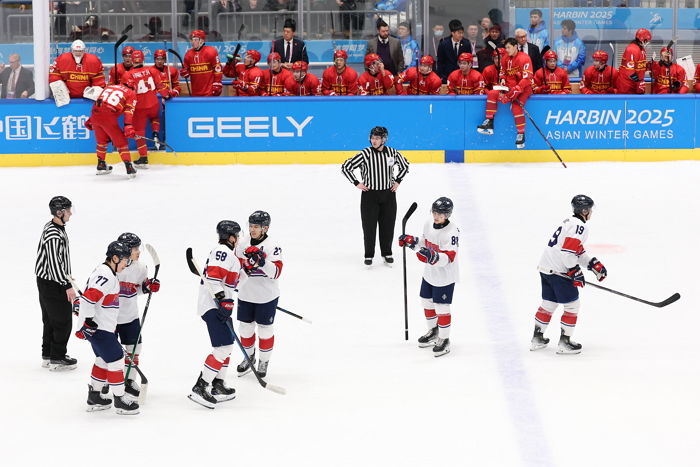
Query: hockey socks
{"points": [[212, 366]]}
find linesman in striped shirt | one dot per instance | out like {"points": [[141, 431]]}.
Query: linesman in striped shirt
{"points": [[382, 169], [56, 294]]}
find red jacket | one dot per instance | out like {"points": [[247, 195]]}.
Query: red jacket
{"points": [[250, 77], [470, 84], [309, 86], [272, 84], [116, 99], [599, 82], [78, 76], [517, 70], [120, 69], [664, 76], [375, 85], [172, 82], [204, 69], [490, 75], [339, 84], [551, 82], [148, 83], [418, 83], [634, 62]]}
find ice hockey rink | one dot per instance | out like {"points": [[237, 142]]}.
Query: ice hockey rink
{"points": [[357, 393]]}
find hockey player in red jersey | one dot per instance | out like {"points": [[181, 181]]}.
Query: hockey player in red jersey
{"points": [[667, 77], [491, 72], [339, 80], [274, 77], [375, 81], [630, 79], [516, 75], [561, 276], [115, 100], [302, 83], [148, 83], [78, 69], [117, 71], [599, 78], [201, 65], [168, 74], [247, 77], [421, 79], [550, 79], [466, 80]]}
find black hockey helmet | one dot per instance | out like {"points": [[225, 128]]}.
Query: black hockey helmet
{"points": [[581, 202], [59, 203], [443, 205], [129, 239], [379, 131], [122, 250], [227, 228], [259, 218]]}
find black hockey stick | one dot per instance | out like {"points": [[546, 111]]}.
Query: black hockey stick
{"points": [[661, 304], [263, 383], [410, 211], [167, 146], [543, 136], [144, 380], [124, 36], [182, 64], [240, 31], [193, 270]]}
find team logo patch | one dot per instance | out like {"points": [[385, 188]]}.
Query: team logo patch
{"points": [[444, 296]]}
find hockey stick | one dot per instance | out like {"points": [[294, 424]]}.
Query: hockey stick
{"points": [[240, 31], [543, 136], [144, 381], [182, 64], [195, 271], [263, 383], [124, 36], [167, 146], [410, 211], [661, 304]]}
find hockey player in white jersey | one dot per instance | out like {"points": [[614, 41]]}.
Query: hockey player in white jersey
{"points": [[99, 308], [561, 276], [221, 273], [438, 249], [133, 281], [258, 291]]}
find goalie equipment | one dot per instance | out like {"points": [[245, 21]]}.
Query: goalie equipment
{"points": [[92, 92], [60, 93]]}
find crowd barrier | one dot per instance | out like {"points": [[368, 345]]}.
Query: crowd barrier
{"points": [[330, 129]]}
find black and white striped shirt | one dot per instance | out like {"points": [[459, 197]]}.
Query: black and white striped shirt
{"points": [[376, 167], [53, 255]]}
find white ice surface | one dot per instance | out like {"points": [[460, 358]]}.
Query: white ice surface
{"points": [[358, 394]]}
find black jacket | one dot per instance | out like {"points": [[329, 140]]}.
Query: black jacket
{"points": [[298, 50], [25, 82], [446, 57]]}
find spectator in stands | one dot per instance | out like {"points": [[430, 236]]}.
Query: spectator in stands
{"points": [[281, 5], [91, 31], [485, 24], [289, 47], [529, 48], [496, 36], [474, 43], [408, 45], [224, 6], [388, 48], [398, 5], [155, 31], [537, 32], [570, 49], [59, 11], [15, 80], [252, 5], [438, 32], [351, 21], [450, 49]]}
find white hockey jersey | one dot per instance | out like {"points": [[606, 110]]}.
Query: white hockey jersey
{"points": [[131, 281], [565, 248], [446, 242], [100, 301], [260, 285], [221, 273]]}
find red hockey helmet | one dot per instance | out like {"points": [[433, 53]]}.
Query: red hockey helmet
{"points": [[128, 80], [643, 35], [666, 49], [465, 57], [160, 53], [371, 58], [137, 57], [254, 54], [601, 56], [499, 52], [340, 53], [128, 50], [303, 66], [427, 60], [274, 56], [549, 55], [198, 33]]}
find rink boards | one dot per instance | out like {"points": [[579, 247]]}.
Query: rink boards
{"points": [[316, 130]]}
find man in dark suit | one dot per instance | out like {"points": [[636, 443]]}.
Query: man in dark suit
{"points": [[450, 48], [529, 48], [16, 81], [289, 47], [388, 48]]}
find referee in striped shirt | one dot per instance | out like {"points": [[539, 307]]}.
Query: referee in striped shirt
{"points": [[56, 294], [379, 185]]}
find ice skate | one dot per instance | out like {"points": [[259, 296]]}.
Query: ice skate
{"points": [[244, 367], [262, 368], [201, 394], [538, 340], [428, 340], [132, 389], [45, 361], [368, 263], [96, 401], [221, 392], [130, 170], [520, 141], [141, 162], [567, 346], [156, 142], [441, 347], [125, 406], [486, 128], [103, 168], [389, 261], [63, 364]]}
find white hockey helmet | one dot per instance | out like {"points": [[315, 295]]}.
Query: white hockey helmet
{"points": [[77, 46]]}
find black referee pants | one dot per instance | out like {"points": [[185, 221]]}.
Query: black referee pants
{"points": [[378, 207], [56, 314]]}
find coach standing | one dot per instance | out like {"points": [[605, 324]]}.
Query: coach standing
{"points": [[379, 184], [56, 294]]}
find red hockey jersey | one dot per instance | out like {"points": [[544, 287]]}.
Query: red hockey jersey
{"points": [[309, 86], [78, 76], [339, 84], [204, 70], [148, 83], [598, 82], [172, 82], [272, 83], [551, 81], [375, 85], [470, 84], [664, 77], [418, 83], [116, 99]]}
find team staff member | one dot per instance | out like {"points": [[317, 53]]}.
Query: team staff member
{"points": [[56, 294], [379, 184]]}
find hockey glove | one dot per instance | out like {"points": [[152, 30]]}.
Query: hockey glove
{"points": [[408, 240], [76, 306], [174, 93], [88, 124], [513, 93], [150, 285], [675, 86], [503, 98], [598, 269], [129, 131], [87, 330], [256, 257], [184, 73], [426, 255], [544, 89], [216, 89], [642, 88], [225, 309], [576, 276], [239, 85], [634, 77]]}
